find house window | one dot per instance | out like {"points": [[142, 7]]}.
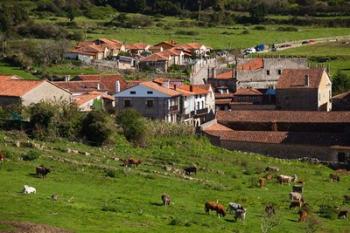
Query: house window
{"points": [[132, 92], [150, 92], [149, 103], [279, 72], [268, 72], [127, 103]]}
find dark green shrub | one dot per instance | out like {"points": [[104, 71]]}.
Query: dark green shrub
{"points": [[110, 173], [187, 33], [96, 128], [287, 29], [260, 28], [133, 125], [41, 120], [31, 155]]}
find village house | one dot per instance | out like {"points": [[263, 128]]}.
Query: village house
{"points": [[223, 81], [284, 134], [263, 73], [137, 49], [304, 89], [98, 49], [196, 49], [94, 100], [194, 103], [15, 91]]}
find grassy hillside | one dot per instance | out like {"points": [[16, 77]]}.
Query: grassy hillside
{"points": [[6, 69], [90, 201]]}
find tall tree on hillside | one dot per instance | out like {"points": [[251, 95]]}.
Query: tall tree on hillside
{"points": [[258, 12]]}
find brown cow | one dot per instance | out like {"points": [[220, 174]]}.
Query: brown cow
{"points": [[334, 177], [42, 171], [166, 199], [343, 214], [262, 182], [214, 206], [131, 161], [302, 215]]}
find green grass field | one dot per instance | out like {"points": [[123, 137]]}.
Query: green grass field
{"points": [[337, 53], [88, 201], [6, 69]]}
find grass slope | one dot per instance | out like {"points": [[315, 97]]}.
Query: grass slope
{"points": [[6, 69], [91, 202]]}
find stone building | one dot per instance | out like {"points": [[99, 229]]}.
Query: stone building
{"points": [[304, 89], [284, 134], [263, 73]]}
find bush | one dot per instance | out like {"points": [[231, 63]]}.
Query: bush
{"points": [[41, 120], [260, 28], [110, 173], [187, 33], [96, 128], [166, 129], [133, 125], [341, 82], [99, 12], [31, 155]]}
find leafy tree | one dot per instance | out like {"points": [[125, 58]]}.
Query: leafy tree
{"points": [[258, 12], [133, 125], [96, 128], [41, 120], [11, 16], [341, 82]]}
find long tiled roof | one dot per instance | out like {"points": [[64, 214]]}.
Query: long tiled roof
{"points": [[253, 64], [80, 86], [294, 138], [17, 87], [107, 80], [296, 78], [283, 116]]}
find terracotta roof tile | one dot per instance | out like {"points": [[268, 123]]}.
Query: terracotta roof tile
{"points": [[296, 78], [247, 91], [253, 64], [225, 75], [84, 98], [80, 86], [108, 81], [17, 87], [164, 90], [139, 46], [283, 116]]}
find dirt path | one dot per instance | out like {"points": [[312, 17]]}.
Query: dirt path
{"points": [[27, 227]]}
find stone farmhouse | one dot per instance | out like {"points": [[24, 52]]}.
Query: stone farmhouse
{"points": [[304, 89], [170, 101], [15, 91], [285, 134]]}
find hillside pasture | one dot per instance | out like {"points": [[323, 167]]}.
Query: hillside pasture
{"points": [[96, 194]]}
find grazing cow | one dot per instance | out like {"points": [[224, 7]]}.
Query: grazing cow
{"points": [[131, 161], [190, 170], [343, 214], [214, 206], [334, 177], [272, 169], [302, 215], [262, 182], [268, 177], [166, 199], [286, 179], [42, 171], [301, 182], [295, 196], [270, 210], [54, 197], [294, 204], [28, 190], [240, 213]]}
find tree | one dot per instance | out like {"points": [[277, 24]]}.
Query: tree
{"points": [[133, 125], [341, 82], [41, 120], [96, 128], [258, 12], [71, 13]]}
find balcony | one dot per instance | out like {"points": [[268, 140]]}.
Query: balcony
{"points": [[202, 111]]}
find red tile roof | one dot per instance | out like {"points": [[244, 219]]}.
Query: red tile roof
{"points": [[218, 127], [247, 91], [283, 116], [17, 87], [195, 89], [253, 64], [137, 46], [110, 43], [225, 75], [164, 90], [84, 98], [296, 78], [108, 81], [156, 57], [80, 86]]}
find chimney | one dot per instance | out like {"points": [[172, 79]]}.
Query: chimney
{"points": [[98, 86], [191, 88], [166, 84], [307, 80], [66, 78], [117, 86]]}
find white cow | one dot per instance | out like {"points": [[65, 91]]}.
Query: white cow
{"points": [[237, 210], [295, 196], [28, 190]]}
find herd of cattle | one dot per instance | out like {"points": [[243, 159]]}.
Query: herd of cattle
{"points": [[236, 209]]}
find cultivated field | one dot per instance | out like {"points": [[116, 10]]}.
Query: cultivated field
{"points": [[91, 201]]}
